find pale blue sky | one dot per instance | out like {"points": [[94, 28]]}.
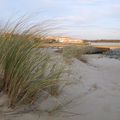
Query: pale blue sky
{"points": [[86, 19]]}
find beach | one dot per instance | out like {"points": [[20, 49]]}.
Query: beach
{"points": [[92, 92]]}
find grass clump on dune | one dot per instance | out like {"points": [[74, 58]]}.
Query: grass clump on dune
{"points": [[23, 67], [70, 52], [74, 51], [91, 50]]}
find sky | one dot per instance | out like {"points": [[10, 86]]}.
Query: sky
{"points": [[85, 19]]}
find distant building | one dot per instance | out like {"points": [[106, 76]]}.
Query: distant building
{"points": [[66, 40]]}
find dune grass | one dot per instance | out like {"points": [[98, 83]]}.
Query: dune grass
{"points": [[74, 51], [70, 52], [24, 68]]}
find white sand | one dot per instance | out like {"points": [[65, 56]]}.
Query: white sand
{"points": [[94, 90]]}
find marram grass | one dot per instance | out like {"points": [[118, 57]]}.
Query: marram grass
{"points": [[24, 66]]}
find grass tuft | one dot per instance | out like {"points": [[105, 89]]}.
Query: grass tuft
{"points": [[74, 51], [70, 52], [24, 66]]}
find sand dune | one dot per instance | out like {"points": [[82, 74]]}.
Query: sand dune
{"points": [[93, 92]]}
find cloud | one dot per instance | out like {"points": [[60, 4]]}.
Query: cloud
{"points": [[70, 18], [89, 1], [81, 16]]}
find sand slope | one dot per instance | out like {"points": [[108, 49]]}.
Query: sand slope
{"points": [[94, 92]]}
